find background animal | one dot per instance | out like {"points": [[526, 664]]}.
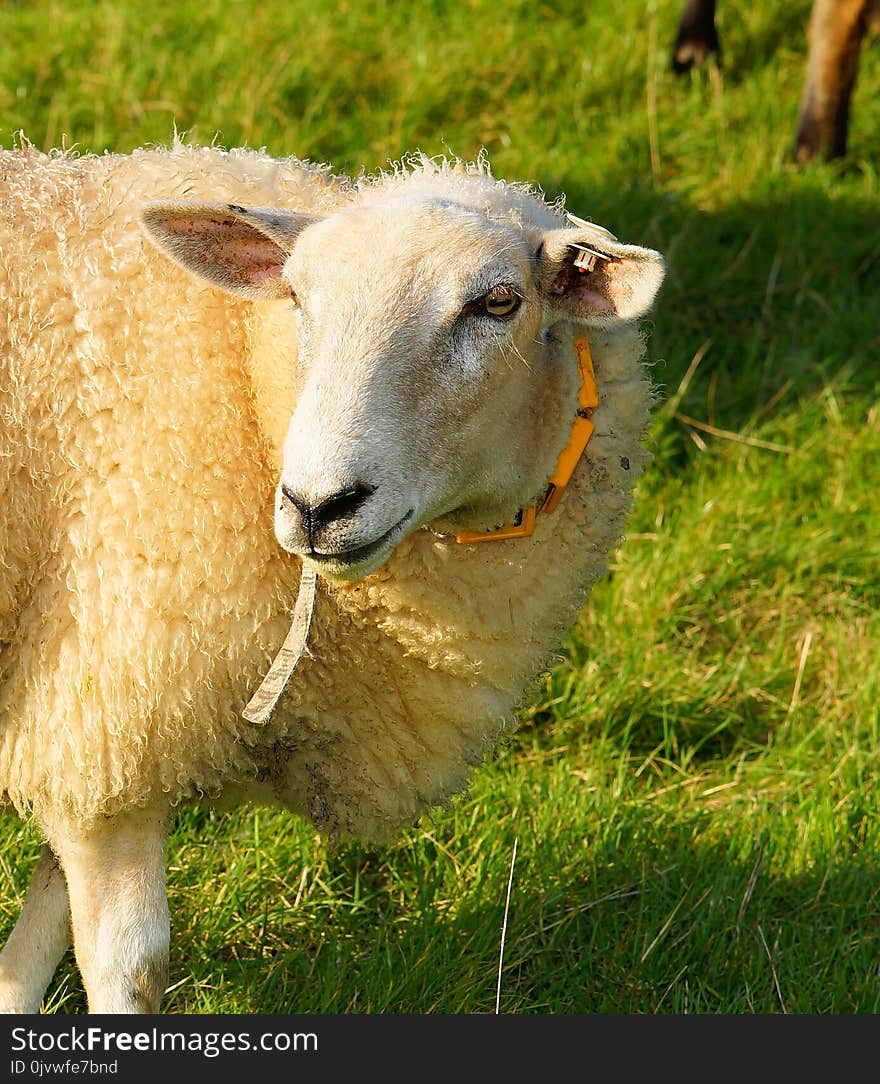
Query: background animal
{"points": [[836, 31], [391, 364]]}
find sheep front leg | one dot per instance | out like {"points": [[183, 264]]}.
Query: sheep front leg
{"points": [[38, 941], [119, 912]]}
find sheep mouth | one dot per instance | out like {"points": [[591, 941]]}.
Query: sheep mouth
{"points": [[361, 560]]}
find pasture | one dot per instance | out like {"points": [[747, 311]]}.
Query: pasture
{"points": [[693, 790]]}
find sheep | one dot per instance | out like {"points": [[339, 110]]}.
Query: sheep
{"points": [[836, 31], [223, 373]]}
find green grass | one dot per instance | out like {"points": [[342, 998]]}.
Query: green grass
{"points": [[693, 789]]}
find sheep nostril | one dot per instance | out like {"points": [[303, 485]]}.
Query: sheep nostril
{"points": [[342, 504], [326, 510], [298, 502]]}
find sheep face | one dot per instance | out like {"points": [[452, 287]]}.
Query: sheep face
{"points": [[433, 385], [421, 395]]}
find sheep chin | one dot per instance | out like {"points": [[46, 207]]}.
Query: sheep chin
{"points": [[362, 561]]}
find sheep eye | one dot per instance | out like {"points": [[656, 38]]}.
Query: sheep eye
{"points": [[500, 301], [294, 298]]}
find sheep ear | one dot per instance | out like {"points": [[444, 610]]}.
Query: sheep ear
{"points": [[241, 249], [587, 276]]}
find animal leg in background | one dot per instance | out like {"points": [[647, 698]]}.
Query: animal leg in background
{"points": [[697, 37], [835, 37], [39, 940], [836, 30], [119, 911]]}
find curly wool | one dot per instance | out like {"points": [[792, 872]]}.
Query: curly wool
{"points": [[142, 591]]}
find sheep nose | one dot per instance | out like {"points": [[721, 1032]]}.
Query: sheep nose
{"points": [[322, 511]]}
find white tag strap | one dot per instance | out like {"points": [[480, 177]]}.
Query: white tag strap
{"points": [[261, 704]]}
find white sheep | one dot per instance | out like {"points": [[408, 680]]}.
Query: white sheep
{"points": [[378, 366]]}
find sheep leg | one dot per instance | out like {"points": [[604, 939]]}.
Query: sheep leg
{"points": [[835, 37], [119, 911], [697, 36], [38, 941]]}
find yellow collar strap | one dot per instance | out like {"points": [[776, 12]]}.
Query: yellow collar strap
{"points": [[588, 399]]}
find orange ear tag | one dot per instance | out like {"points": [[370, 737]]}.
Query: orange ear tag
{"points": [[581, 431]]}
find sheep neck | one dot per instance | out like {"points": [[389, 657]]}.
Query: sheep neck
{"points": [[523, 523]]}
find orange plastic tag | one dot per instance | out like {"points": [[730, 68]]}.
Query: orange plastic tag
{"points": [[569, 457], [522, 529], [581, 431]]}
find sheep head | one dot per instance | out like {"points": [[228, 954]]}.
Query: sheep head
{"points": [[435, 377]]}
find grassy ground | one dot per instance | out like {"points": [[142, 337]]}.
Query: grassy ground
{"points": [[693, 791]]}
